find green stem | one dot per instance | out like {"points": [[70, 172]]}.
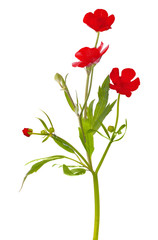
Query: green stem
{"points": [[112, 137], [98, 33], [90, 86], [97, 206], [86, 93]]}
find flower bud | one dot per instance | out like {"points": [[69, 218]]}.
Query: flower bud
{"points": [[43, 132], [51, 130], [111, 129], [27, 132], [59, 79]]}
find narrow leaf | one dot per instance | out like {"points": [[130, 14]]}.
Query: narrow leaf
{"points": [[103, 98], [94, 131], [74, 171], [48, 118], [69, 101], [105, 130], [35, 168], [44, 124], [63, 144], [88, 142], [98, 122], [124, 132], [55, 157], [46, 139]]}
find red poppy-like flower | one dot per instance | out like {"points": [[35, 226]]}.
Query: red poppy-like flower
{"points": [[27, 132], [123, 84], [89, 56], [99, 20]]}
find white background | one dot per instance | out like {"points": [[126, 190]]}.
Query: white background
{"points": [[38, 39]]}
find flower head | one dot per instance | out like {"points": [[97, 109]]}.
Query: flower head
{"points": [[27, 132], [99, 20], [123, 84], [89, 56]]}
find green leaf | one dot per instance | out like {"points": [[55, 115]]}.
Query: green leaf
{"points": [[38, 165], [90, 112], [74, 171], [102, 109], [48, 118], [98, 122], [44, 124], [103, 98], [121, 129], [69, 101], [88, 142], [94, 131], [105, 130], [46, 139], [55, 157], [63, 144]]}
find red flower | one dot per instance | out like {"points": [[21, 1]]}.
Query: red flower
{"points": [[27, 132], [89, 56], [99, 20], [123, 84]]}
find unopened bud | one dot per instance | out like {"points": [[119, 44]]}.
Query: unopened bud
{"points": [[51, 130], [59, 79], [43, 132], [27, 132], [111, 129]]}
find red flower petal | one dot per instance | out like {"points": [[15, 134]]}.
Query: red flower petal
{"points": [[127, 74], [113, 87], [110, 21], [101, 13], [134, 84], [104, 50], [90, 20], [99, 21], [114, 75]]}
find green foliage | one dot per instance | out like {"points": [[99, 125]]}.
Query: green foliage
{"points": [[48, 119], [44, 124], [63, 144], [69, 100], [120, 129], [88, 141], [45, 139], [39, 164], [73, 171], [94, 121], [102, 109]]}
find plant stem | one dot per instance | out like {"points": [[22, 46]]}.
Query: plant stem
{"points": [[97, 206], [86, 93], [98, 33], [112, 137]]}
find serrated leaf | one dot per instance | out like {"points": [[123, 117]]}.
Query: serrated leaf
{"points": [[74, 171], [44, 124], [63, 144]]}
